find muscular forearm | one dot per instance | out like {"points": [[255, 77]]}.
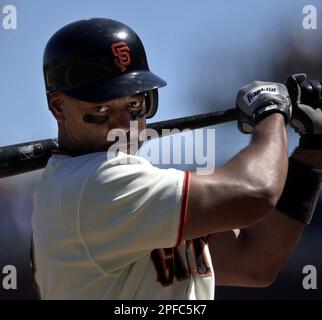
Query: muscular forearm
{"points": [[252, 257], [277, 235], [266, 245], [243, 191], [266, 157], [263, 164]]}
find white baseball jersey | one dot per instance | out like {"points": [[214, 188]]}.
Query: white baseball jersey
{"points": [[110, 227]]}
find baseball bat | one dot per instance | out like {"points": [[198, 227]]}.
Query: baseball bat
{"points": [[28, 156]]}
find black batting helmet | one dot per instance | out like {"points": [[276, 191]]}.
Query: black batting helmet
{"points": [[98, 60]]}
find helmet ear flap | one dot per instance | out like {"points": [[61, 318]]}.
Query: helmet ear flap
{"points": [[151, 103]]}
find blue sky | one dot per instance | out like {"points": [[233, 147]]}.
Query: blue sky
{"points": [[196, 46]]}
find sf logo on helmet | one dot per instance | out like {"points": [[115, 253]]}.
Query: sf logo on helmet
{"points": [[121, 52]]}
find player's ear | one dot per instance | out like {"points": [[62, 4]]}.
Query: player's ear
{"points": [[55, 102]]}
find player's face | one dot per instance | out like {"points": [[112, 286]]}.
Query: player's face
{"points": [[87, 125]]}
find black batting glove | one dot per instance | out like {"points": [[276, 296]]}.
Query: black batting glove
{"points": [[306, 119], [258, 100]]}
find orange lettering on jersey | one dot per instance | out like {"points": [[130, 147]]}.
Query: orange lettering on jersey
{"points": [[168, 264], [121, 52], [202, 263]]}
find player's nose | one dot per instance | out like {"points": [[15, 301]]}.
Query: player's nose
{"points": [[120, 118]]}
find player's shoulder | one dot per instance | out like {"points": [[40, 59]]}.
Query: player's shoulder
{"points": [[127, 180], [103, 167], [124, 168], [121, 165]]}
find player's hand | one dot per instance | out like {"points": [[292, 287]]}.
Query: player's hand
{"points": [[258, 100], [306, 120]]}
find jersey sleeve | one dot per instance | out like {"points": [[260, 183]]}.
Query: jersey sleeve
{"points": [[126, 211]]}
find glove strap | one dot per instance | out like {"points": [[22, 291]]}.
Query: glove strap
{"points": [[262, 113]]}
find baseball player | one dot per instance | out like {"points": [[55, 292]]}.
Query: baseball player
{"points": [[112, 226]]}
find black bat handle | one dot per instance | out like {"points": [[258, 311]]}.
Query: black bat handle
{"points": [[24, 157], [29, 156], [195, 122]]}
